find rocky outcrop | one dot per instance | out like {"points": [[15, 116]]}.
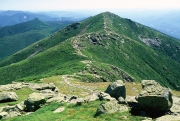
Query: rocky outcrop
{"points": [[34, 102], [14, 86], [117, 89], [8, 96], [49, 86], [110, 107], [154, 97]]}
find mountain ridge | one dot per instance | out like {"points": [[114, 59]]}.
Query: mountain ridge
{"points": [[111, 45]]}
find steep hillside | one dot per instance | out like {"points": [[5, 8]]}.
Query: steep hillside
{"points": [[101, 48], [16, 37]]}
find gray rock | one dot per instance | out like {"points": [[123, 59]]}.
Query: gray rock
{"points": [[110, 107], [49, 86], [92, 97], [8, 87], [34, 102], [61, 109], [58, 98], [154, 97], [105, 96], [116, 89], [8, 96]]}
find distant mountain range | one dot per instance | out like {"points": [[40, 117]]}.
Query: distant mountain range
{"points": [[14, 17], [16, 37], [104, 47], [166, 21]]}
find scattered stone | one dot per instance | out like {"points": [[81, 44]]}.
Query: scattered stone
{"points": [[154, 97], [105, 96], [117, 89], [110, 107], [61, 109], [8, 96]]}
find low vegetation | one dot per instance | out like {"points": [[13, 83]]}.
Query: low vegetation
{"points": [[114, 46]]}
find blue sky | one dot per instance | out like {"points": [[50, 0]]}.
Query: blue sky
{"points": [[39, 5]]}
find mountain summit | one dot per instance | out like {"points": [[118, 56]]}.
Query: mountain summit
{"points": [[105, 47]]}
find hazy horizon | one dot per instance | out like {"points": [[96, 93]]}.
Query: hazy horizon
{"points": [[93, 5]]}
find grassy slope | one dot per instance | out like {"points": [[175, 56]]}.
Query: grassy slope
{"points": [[17, 37], [125, 51]]}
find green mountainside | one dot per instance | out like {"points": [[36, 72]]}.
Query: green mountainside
{"points": [[101, 48], [16, 37]]}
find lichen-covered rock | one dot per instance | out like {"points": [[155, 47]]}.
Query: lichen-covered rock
{"points": [[34, 102], [117, 89], [110, 107], [8, 96], [154, 97]]}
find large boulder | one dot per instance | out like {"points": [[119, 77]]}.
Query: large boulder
{"points": [[110, 107], [116, 89], [34, 101], [154, 97], [8, 96]]}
